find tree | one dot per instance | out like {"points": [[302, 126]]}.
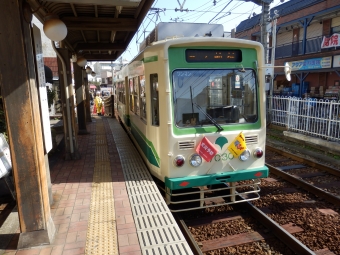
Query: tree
{"points": [[50, 96]]}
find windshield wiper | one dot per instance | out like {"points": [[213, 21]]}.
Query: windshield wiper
{"points": [[219, 128]]}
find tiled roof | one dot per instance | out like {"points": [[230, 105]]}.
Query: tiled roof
{"points": [[52, 64], [284, 9]]}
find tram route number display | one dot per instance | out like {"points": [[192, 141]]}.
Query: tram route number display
{"points": [[199, 55]]}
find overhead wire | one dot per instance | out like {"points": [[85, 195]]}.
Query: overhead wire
{"points": [[196, 14], [211, 7], [197, 9], [220, 12]]}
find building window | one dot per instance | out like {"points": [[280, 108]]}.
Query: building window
{"points": [[335, 30]]}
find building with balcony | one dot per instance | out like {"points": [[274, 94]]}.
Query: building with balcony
{"points": [[308, 38]]}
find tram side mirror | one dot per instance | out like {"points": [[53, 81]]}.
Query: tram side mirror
{"points": [[288, 71]]}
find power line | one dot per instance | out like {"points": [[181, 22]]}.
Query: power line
{"points": [[220, 12], [196, 13]]}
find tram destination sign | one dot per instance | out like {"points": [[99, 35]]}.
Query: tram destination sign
{"points": [[207, 55]]}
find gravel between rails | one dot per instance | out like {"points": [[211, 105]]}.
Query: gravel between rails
{"points": [[246, 224], [321, 230]]}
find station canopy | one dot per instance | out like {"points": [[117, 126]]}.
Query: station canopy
{"points": [[98, 30]]}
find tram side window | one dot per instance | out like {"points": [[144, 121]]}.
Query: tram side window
{"points": [[120, 92], [135, 94], [124, 84], [132, 105], [142, 99], [154, 99]]}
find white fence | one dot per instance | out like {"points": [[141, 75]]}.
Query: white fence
{"points": [[317, 118]]}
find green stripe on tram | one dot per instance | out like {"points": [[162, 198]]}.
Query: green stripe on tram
{"points": [[146, 146], [126, 118]]}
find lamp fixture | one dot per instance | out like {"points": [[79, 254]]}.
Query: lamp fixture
{"points": [[81, 61], [93, 74], [74, 58], [54, 28], [88, 70]]}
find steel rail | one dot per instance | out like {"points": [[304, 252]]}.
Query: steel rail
{"points": [[305, 185], [306, 161], [283, 235], [188, 236]]}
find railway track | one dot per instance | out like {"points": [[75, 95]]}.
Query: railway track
{"points": [[243, 230], [319, 179], [296, 214]]}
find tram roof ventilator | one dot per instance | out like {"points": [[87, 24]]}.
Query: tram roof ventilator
{"points": [[167, 30]]}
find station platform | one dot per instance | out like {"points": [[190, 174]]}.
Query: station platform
{"points": [[106, 202]]}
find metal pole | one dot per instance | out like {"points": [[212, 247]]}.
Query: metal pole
{"points": [[264, 32], [273, 63]]}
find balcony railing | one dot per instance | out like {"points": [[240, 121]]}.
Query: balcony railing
{"points": [[313, 45]]}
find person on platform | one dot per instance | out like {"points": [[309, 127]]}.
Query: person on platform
{"points": [[98, 103]]}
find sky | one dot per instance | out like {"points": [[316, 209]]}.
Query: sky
{"points": [[229, 13]]}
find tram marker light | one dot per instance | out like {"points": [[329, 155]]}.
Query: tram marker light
{"points": [[258, 153], [179, 161]]}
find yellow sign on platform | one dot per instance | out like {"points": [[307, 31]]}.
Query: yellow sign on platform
{"points": [[238, 145]]}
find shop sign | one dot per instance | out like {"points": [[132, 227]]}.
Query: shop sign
{"points": [[329, 42], [336, 61], [313, 63]]}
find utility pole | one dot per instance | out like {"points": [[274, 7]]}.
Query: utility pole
{"points": [[264, 31], [265, 41], [271, 89], [264, 22]]}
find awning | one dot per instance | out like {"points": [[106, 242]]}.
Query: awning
{"points": [[93, 87]]}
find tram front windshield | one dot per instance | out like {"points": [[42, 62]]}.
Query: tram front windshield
{"points": [[228, 96]]}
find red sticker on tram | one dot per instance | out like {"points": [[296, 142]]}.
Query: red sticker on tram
{"points": [[183, 184], [258, 174]]}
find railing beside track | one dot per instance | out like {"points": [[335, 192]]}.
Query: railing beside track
{"points": [[317, 118]]}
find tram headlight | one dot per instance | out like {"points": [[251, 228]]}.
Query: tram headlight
{"points": [[195, 160], [244, 155], [258, 153], [179, 161]]}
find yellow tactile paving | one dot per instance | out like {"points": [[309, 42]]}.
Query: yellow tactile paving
{"points": [[101, 232]]}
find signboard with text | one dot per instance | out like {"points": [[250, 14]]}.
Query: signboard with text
{"points": [[206, 149], [45, 116], [332, 41], [310, 64]]}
